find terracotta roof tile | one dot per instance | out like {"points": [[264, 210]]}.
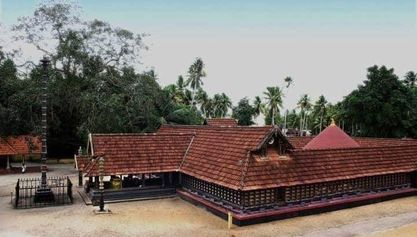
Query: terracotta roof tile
{"points": [[227, 156], [6, 149], [81, 161], [300, 142], [138, 153], [221, 122], [22, 144], [312, 166], [331, 138], [218, 154]]}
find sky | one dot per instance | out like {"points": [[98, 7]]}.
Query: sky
{"points": [[326, 46]]}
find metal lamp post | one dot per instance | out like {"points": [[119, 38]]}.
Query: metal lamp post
{"points": [[101, 183]]}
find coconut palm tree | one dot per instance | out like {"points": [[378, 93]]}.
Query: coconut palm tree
{"points": [[273, 96], [195, 75], [257, 105], [209, 108], [304, 104], [289, 81], [320, 109], [221, 104], [202, 99]]}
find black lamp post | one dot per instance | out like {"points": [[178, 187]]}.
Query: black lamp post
{"points": [[101, 183]]}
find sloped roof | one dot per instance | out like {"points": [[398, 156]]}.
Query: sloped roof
{"points": [[221, 122], [6, 149], [229, 156], [220, 154], [331, 138], [22, 144], [81, 161], [138, 153], [300, 142], [312, 166]]}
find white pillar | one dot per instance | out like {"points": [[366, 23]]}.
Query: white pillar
{"points": [[8, 162]]}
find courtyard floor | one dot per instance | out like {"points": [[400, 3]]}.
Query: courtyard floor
{"points": [[175, 217]]}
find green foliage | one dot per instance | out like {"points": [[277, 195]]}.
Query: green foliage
{"points": [[273, 97], [244, 112], [93, 86], [382, 107]]}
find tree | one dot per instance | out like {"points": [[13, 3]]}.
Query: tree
{"points": [[319, 110], [195, 75], [56, 30], [244, 112], [178, 93], [203, 100], [305, 105], [273, 96], [257, 105], [93, 86], [221, 104], [382, 107], [410, 79], [289, 81]]}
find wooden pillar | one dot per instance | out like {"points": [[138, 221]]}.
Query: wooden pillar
{"points": [[170, 178], [8, 163], [80, 178], [163, 180], [143, 180]]}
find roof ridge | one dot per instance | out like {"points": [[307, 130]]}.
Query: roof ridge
{"points": [[244, 170], [216, 127], [142, 134], [388, 138], [352, 148], [186, 152]]}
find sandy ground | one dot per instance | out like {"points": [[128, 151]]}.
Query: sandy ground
{"points": [[175, 217]]}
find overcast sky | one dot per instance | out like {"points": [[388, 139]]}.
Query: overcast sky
{"points": [[325, 46]]}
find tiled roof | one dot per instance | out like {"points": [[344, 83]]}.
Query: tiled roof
{"points": [[312, 166], [220, 154], [6, 149], [81, 161], [229, 156], [331, 138], [384, 142], [300, 142], [21, 144], [221, 122], [138, 153]]}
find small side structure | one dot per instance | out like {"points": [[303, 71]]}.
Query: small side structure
{"points": [[26, 146], [256, 173], [18, 148], [136, 165], [6, 151]]}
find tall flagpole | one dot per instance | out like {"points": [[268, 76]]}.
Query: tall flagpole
{"points": [[43, 192]]}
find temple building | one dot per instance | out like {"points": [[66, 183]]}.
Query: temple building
{"points": [[255, 173], [18, 147]]}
